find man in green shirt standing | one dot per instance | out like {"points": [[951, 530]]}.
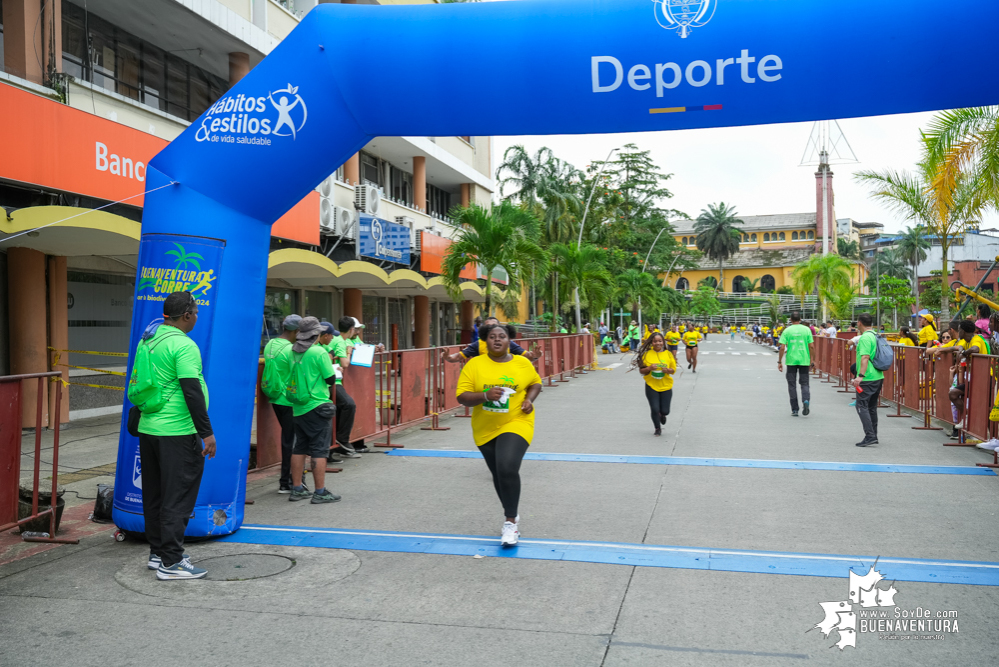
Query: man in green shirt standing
{"points": [[797, 342], [311, 375], [282, 408], [634, 338], [868, 381], [170, 439]]}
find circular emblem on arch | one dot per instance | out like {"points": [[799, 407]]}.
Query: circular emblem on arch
{"points": [[681, 16], [291, 109]]}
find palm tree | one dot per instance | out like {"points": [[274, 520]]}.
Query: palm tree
{"points": [[912, 247], [499, 237], [717, 236], [751, 286], [891, 263], [546, 186], [840, 300], [822, 274], [636, 286], [582, 268], [946, 208], [965, 142], [847, 248]]}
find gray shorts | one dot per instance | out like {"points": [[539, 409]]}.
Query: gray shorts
{"points": [[314, 431]]}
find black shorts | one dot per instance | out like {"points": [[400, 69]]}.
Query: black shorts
{"points": [[671, 348], [314, 431]]}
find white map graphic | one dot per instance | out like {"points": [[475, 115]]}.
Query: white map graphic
{"points": [[840, 615]]}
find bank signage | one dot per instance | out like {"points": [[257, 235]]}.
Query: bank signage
{"points": [[380, 239]]}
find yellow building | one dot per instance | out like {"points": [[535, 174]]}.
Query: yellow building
{"points": [[771, 246]]}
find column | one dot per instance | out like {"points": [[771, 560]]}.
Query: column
{"points": [[239, 66], [420, 182], [352, 169], [465, 194], [353, 303], [28, 333], [59, 332], [19, 53], [421, 322], [467, 321]]}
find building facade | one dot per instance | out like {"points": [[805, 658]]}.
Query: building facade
{"points": [[91, 90]]}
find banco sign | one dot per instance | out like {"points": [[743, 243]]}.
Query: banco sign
{"points": [[244, 119]]}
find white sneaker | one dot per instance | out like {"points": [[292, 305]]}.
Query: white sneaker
{"points": [[989, 446], [510, 534]]}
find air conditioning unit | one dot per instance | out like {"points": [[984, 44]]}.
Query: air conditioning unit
{"points": [[414, 233], [368, 198], [345, 221], [326, 187], [327, 217]]}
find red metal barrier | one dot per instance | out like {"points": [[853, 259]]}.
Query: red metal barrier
{"points": [[10, 449]]}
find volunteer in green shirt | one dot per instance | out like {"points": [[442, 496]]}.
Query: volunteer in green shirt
{"points": [[868, 381], [341, 349], [633, 336], [310, 377], [282, 408], [799, 345], [170, 440]]}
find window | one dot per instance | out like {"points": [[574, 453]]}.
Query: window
{"points": [[766, 237], [122, 63], [767, 283], [438, 201], [783, 237], [683, 283], [278, 304], [371, 170], [684, 240], [737, 284], [794, 236], [401, 186], [754, 238], [319, 304], [811, 235]]}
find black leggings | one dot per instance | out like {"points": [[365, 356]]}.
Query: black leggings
{"points": [[659, 403], [503, 455]]}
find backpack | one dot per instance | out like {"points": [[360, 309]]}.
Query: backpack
{"points": [[884, 356], [271, 382], [297, 393], [144, 391]]}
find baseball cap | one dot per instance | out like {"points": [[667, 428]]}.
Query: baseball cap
{"points": [[327, 328], [292, 322], [357, 323], [929, 318]]}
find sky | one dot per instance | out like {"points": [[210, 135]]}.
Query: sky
{"points": [[756, 168]]}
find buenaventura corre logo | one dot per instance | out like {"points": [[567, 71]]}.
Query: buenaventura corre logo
{"points": [[681, 16], [871, 609], [244, 119]]}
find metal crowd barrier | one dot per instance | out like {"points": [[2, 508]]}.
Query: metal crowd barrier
{"points": [[404, 388]]}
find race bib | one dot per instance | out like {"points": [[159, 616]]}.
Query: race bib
{"points": [[658, 374], [502, 405]]}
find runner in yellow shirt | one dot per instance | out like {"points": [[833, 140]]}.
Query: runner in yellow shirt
{"points": [[672, 338], [690, 340], [657, 365]]}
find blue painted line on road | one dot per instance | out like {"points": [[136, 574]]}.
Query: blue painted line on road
{"points": [[721, 463], [644, 555]]}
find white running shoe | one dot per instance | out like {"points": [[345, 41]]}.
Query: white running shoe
{"points": [[510, 534], [989, 446]]}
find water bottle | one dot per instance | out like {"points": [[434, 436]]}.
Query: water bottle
{"points": [[34, 534]]}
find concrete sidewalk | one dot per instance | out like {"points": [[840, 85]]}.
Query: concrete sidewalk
{"points": [[267, 603]]}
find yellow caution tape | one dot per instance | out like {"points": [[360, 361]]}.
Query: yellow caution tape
{"points": [[100, 354], [86, 368], [83, 384]]}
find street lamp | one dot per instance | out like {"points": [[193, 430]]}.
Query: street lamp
{"points": [[582, 226], [644, 266]]}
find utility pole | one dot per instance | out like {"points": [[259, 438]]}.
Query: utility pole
{"points": [[582, 226]]}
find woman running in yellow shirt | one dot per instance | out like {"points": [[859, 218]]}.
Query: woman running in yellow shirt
{"points": [[658, 366], [690, 340], [672, 338], [502, 388]]}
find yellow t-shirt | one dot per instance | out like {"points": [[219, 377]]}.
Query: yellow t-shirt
{"points": [[742, 328], [682, 328], [672, 337], [666, 359], [490, 419], [927, 334], [691, 338], [905, 340], [704, 329]]}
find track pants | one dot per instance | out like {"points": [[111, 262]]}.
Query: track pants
{"points": [[867, 407], [287, 420], [802, 374], [503, 455], [345, 410], [659, 402], [172, 466]]}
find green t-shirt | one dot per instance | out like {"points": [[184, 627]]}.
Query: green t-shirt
{"points": [[338, 348], [175, 357], [632, 332], [868, 345], [607, 340], [271, 351], [315, 368], [797, 337]]}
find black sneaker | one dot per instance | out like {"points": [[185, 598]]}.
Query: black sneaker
{"points": [[794, 413], [867, 443], [659, 431], [361, 448], [805, 410], [324, 497], [332, 459], [955, 434], [689, 366], [345, 453], [284, 488], [299, 494], [662, 418]]}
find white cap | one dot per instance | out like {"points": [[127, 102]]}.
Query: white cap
{"points": [[357, 323]]}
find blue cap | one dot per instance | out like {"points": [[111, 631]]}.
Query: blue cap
{"points": [[327, 328], [292, 322]]}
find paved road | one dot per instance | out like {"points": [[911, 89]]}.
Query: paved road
{"points": [[379, 603]]}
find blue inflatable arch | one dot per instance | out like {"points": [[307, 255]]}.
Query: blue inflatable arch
{"points": [[500, 68]]}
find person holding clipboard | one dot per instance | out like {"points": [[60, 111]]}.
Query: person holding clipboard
{"points": [[343, 349]]}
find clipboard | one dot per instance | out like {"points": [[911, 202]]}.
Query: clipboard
{"points": [[363, 355]]}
